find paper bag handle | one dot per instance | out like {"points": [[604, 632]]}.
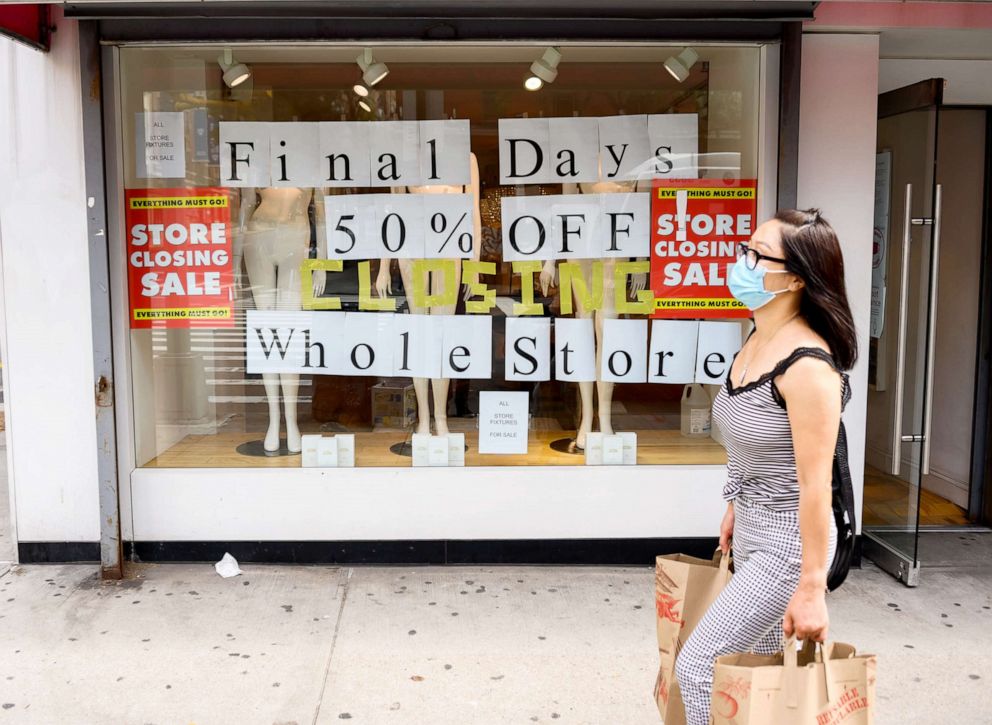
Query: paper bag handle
{"points": [[724, 562], [790, 659]]}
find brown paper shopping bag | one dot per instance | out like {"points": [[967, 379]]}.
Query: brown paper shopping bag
{"points": [[684, 588], [832, 687]]}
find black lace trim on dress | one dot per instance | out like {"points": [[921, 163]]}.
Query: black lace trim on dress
{"points": [[782, 366]]}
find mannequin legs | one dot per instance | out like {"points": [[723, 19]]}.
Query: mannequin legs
{"points": [[604, 390], [434, 284], [420, 386], [271, 382], [290, 390], [441, 385], [585, 418], [272, 259], [440, 390], [290, 394]]}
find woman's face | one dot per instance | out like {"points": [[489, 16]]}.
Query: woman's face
{"points": [[767, 241]]}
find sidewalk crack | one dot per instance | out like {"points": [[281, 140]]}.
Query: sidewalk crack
{"points": [[334, 642]]}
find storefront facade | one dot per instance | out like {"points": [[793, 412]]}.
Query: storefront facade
{"points": [[273, 331]]}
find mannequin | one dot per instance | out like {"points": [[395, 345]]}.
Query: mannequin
{"points": [[638, 282], [434, 285], [276, 241], [246, 207]]}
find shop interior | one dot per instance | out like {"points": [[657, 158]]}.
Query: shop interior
{"points": [[197, 406]]}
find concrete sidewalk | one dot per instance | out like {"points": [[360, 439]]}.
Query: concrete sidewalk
{"points": [[427, 646]]}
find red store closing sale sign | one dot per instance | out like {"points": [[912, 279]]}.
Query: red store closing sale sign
{"points": [[179, 257], [696, 225]]}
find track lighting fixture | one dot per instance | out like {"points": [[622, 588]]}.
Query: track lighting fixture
{"points": [[360, 90], [373, 71], [234, 73], [680, 65], [533, 83], [543, 70], [365, 106]]}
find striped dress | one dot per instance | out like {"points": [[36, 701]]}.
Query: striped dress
{"points": [[767, 541], [761, 462]]}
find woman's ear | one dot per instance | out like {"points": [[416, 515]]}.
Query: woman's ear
{"points": [[796, 284]]}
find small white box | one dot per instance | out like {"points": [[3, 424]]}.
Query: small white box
{"points": [[629, 448], [421, 449], [612, 450], [309, 452], [437, 451], [327, 452], [594, 449], [456, 449], [346, 450]]}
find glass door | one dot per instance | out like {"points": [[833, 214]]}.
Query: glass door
{"points": [[901, 350]]}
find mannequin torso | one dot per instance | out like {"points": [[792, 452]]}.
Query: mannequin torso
{"points": [[280, 206]]}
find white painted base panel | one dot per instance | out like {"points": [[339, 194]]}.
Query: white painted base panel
{"points": [[432, 503]]}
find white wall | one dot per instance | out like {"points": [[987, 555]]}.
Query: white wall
{"points": [[838, 109], [967, 80], [426, 503], [49, 358]]}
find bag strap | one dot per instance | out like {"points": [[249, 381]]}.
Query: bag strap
{"points": [[791, 672], [843, 488], [826, 650], [790, 660], [722, 561]]}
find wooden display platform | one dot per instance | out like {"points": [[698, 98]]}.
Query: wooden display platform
{"points": [[659, 447]]}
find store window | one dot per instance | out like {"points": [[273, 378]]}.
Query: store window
{"points": [[433, 255]]}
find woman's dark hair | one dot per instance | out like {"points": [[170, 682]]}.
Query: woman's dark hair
{"points": [[812, 252]]}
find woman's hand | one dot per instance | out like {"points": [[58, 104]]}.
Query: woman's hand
{"points": [[727, 530], [807, 617]]}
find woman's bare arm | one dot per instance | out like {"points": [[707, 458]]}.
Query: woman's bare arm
{"points": [[812, 392]]}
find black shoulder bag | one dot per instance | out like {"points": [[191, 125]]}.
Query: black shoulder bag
{"points": [[842, 503]]}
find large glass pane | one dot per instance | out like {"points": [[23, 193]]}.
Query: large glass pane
{"points": [[216, 378], [906, 142]]}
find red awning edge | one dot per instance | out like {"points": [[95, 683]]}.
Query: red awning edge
{"points": [[28, 23]]}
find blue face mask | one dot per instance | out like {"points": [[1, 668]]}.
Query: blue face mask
{"points": [[748, 285]]}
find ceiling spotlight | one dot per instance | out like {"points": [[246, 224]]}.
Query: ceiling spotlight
{"points": [[373, 71], [543, 70], [365, 107], [680, 65], [234, 73], [360, 90], [533, 83]]}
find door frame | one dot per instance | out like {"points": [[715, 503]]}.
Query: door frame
{"points": [[980, 496]]}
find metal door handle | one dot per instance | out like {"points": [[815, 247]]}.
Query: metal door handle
{"points": [[897, 437], [931, 333]]}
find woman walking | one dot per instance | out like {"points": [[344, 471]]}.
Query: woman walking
{"points": [[779, 412]]}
